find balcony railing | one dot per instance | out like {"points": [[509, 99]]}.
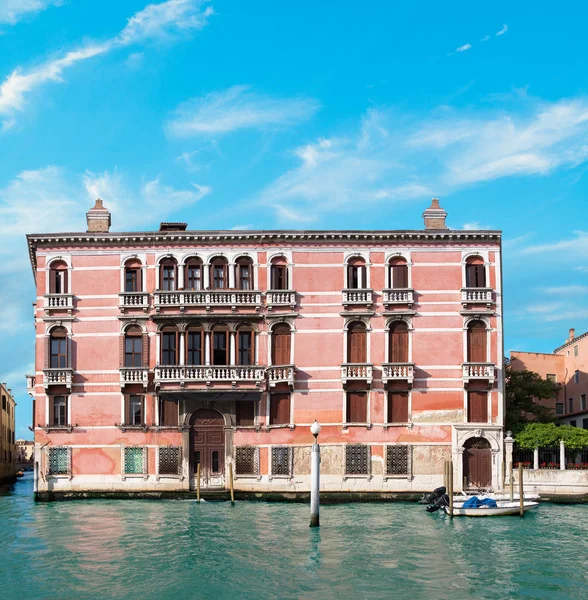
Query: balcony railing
{"points": [[208, 298], [58, 377], [398, 372], [281, 374], [132, 375], [58, 302], [356, 372], [476, 296], [358, 297], [280, 298], [133, 300], [209, 374], [398, 296], [479, 371]]}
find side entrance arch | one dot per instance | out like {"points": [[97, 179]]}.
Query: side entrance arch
{"points": [[477, 463], [207, 448]]}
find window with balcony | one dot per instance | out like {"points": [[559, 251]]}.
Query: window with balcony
{"points": [[193, 274], [245, 414], [279, 274], [398, 273], [169, 347], [58, 355], [280, 409], [357, 343], [195, 346], [58, 278], [356, 407], [477, 342], [133, 271], [168, 412], [475, 272], [281, 339], [397, 407], [168, 271], [134, 410], [58, 411], [219, 274], [244, 274], [245, 346], [356, 274], [133, 347], [220, 346], [477, 407], [398, 342]]}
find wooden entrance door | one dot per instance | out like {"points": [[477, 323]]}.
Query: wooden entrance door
{"points": [[207, 447], [477, 463]]}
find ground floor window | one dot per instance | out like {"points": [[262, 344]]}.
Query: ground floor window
{"points": [[59, 461], [282, 460], [246, 460], [357, 459], [170, 460], [398, 460], [135, 460]]}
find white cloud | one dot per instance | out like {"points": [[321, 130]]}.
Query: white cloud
{"points": [[575, 246], [13, 11], [485, 38], [503, 30], [237, 108], [568, 289], [463, 48], [475, 225]]}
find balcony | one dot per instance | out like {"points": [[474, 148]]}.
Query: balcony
{"points": [[31, 385], [400, 296], [476, 296], [357, 372], [58, 302], [58, 377], [208, 299], [134, 375], [281, 374], [479, 372], [276, 298], [133, 301], [207, 374], [353, 297], [398, 372]]}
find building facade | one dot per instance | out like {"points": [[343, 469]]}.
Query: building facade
{"points": [[568, 366], [25, 451], [163, 353], [7, 441]]}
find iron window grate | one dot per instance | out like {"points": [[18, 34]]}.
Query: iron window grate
{"points": [[135, 460], [398, 460], [246, 460], [59, 462], [281, 461], [357, 460], [170, 460]]}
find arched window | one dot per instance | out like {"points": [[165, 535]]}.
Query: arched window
{"points": [[245, 346], [475, 272], [220, 346], [168, 271], [58, 278], [279, 274], [219, 277], [244, 273], [398, 349], [281, 339], [356, 274], [477, 341], [133, 281], [398, 273], [169, 346], [357, 343], [58, 355], [134, 347], [195, 346], [193, 274]]}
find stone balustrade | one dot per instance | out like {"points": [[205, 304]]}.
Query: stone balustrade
{"points": [[353, 296], [476, 296], [131, 375], [398, 296], [477, 371], [208, 298], [398, 372], [281, 374], [356, 372], [58, 377], [58, 302], [280, 298], [31, 384], [132, 300], [209, 374]]}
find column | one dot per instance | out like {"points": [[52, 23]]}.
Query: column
{"points": [[508, 445], [207, 348], [536, 458], [181, 277], [562, 455], [232, 347], [182, 336], [231, 267], [206, 276]]}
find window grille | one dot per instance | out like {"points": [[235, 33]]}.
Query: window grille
{"points": [[398, 460], [282, 461], [170, 460], [357, 460], [59, 461], [246, 460], [135, 460]]}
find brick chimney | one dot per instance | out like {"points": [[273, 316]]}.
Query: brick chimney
{"points": [[435, 216], [98, 218], [572, 334]]}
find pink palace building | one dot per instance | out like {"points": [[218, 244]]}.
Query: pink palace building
{"points": [[160, 351]]}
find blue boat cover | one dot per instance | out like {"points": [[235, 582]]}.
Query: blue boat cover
{"points": [[475, 502]]}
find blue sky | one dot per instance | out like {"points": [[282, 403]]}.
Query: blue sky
{"points": [[234, 114]]}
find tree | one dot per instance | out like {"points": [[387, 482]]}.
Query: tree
{"points": [[540, 435], [523, 389]]}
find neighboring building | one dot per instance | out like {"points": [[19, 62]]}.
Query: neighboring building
{"points": [[159, 351], [568, 366], [25, 451], [7, 446]]}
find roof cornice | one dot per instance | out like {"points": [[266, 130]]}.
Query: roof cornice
{"points": [[571, 342]]}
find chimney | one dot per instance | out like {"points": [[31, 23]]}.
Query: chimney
{"points": [[98, 218], [435, 216], [572, 334]]}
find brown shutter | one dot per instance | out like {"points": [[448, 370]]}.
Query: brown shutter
{"points": [[356, 407], [121, 347], [169, 413], [280, 409], [397, 407], [477, 342], [281, 345], [357, 344], [399, 343], [245, 414], [145, 357], [126, 416], [477, 407], [50, 419], [47, 351], [52, 281]]}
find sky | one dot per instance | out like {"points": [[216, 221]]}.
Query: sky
{"points": [[250, 115]]}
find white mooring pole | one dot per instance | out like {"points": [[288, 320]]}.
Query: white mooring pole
{"points": [[315, 476]]}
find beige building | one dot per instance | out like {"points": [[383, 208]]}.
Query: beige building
{"points": [[7, 442], [25, 450]]}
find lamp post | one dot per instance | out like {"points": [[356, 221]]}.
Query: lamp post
{"points": [[315, 470]]}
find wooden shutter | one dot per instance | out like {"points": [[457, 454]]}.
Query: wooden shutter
{"points": [[52, 281], [281, 345], [399, 276], [121, 347], [145, 356], [477, 342], [399, 343], [245, 414], [280, 409], [356, 407], [477, 407], [127, 416], [397, 407], [51, 416], [357, 343], [475, 274], [169, 413]]}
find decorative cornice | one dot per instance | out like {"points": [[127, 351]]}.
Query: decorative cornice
{"points": [[570, 342]]}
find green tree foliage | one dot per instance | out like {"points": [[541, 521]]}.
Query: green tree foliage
{"points": [[538, 435], [523, 388]]}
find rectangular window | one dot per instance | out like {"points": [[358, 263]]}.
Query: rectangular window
{"points": [[398, 460], [282, 461], [168, 413], [356, 277], [475, 276], [59, 412], [575, 350], [583, 402], [280, 409], [170, 460], [58, 353], [245, 413], [168, 273], [195, 354], [134, 414], [477, 407], [399, 276], [397, 407], [584, 423], [59, 461], [132, 280], [133, 351], [570, 405], [577, 377], [246, 348], [279, 277], [194, 277], [169, 348], [559, 408], [135, 460], [357, 460], [246, 460], [244, 276], [357, 407], [551, 377], [572, 423], [218, 277], [220, 355], [60, 285]]}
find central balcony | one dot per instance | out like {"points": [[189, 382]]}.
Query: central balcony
{"points": [[356, 297], [476, 296], [58, 302], [357, 372], [208, 299], [281, 374], [253, 375], [58, 377], [133, 300], [134, 375], [398, 296], [276, 298], [479, 372], [398, 372]]}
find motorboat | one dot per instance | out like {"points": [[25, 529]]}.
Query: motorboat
{"points": [[502, 496], [501, 508]]}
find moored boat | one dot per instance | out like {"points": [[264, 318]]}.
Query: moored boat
{"points": [[501, 508]]}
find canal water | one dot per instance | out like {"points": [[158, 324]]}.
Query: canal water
{"points": [[181, 549]]}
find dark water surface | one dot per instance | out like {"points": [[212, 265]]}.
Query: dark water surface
{"points": [[181, 549]]}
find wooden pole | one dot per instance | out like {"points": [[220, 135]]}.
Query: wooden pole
{"points": [[450, 490], [521, 492], [445, 483], [198, 482], [231, 484], [511, 481]]}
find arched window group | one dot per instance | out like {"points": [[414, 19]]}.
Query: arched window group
{"points": [[279, 273], [356, 273], [475, 272], [398, 273], [133, 279]]}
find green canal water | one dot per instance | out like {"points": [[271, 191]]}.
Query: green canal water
{"points": [[181, 549]]}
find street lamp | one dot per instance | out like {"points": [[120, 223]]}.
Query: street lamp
{"points": [[315, 472]]}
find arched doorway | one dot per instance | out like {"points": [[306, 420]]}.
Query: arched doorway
{"points": [[477, 463], [207, 447]]}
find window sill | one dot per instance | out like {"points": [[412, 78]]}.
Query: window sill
{"points": [[57, 428], [163, 428], [358, 476], [281, 426], [144, 476], [282, 477], [403, 424], [247, 427], [169, 476], [248, 476], [60, 476], [366, 425], [407, 476], [124, 428]]}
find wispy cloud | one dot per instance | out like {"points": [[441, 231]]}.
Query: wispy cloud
{"points": [[475, 225], [485, 38], [237, 108], [574, 246], [503, 30], [156, 20], [463, 48], [13, 11], [567, 289]]}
